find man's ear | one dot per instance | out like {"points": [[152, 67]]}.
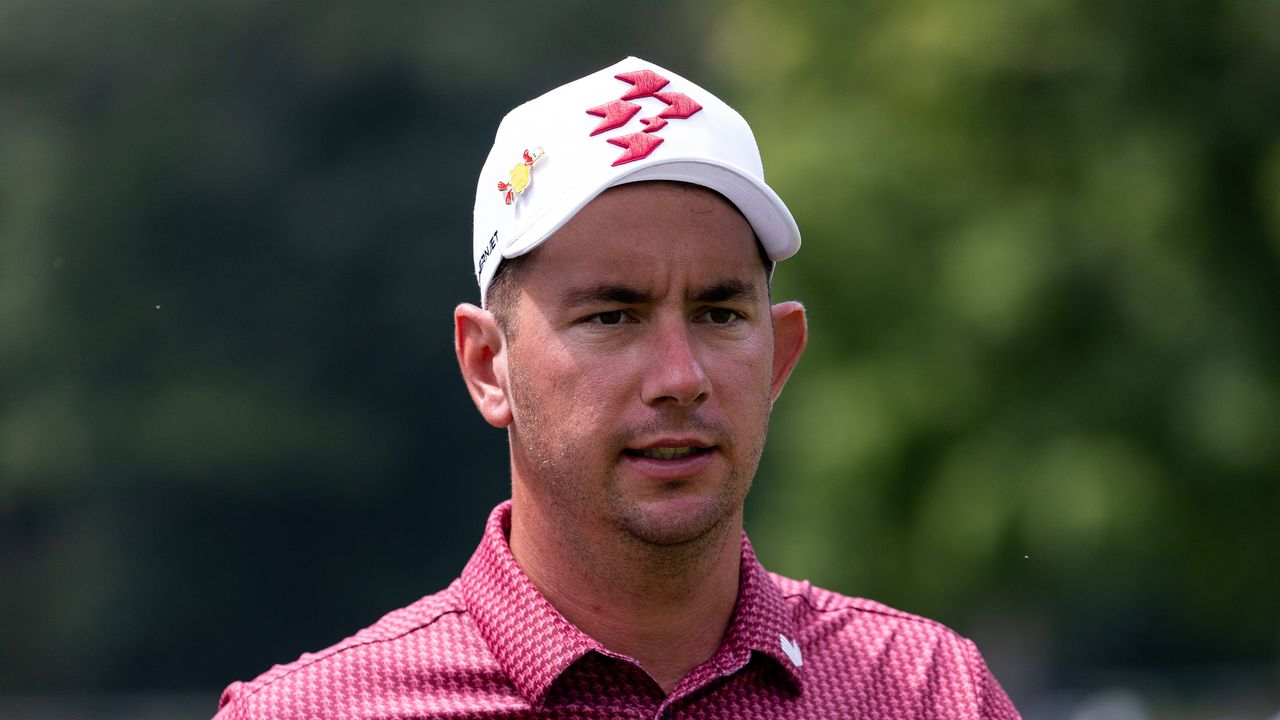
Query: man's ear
{"points": [[482, 358], [790, 333]]}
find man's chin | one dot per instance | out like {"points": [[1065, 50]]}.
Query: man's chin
{"points": [[672, 522]]}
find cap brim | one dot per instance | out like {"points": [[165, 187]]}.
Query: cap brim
{"points": [[758, 203]]}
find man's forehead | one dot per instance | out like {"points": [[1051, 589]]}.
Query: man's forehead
{"points": [[706, 197], [653, 228], [641, 197], [616, 263]]}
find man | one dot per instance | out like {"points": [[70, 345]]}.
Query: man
{"points": [[624, 242]]}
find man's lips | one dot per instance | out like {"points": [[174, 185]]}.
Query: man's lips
{"points": [[670, 458], [667, 453], [669, 448]]}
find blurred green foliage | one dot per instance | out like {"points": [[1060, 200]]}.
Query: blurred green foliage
{"points": [[1042, 262]]}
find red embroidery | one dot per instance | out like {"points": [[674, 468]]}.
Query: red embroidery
{"points": [[653, 124], [638, 146], [616, 113], [646, 82], [681, 106]]}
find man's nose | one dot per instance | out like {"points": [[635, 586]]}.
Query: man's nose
{"points": [[674, 372]]}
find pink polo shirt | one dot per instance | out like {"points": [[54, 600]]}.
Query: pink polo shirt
{"points": [[490, 645]]}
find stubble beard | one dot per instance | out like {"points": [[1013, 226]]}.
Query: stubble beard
{"points": [[554, 474]]}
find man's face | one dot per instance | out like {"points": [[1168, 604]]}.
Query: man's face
{"points": [[641, 364]]}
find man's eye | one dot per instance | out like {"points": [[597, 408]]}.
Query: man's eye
{"points": [[612, 317], [721, 316]]}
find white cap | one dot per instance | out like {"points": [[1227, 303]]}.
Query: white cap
{"points": [[629, 122]]}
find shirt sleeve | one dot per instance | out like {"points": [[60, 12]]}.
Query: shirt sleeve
{"points": [[228, 706], [993, 703]]}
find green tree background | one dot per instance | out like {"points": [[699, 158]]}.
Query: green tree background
{"points": [[1042, 263]]}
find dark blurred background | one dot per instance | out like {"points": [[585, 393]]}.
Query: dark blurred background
{"points": [[1042, 264]]}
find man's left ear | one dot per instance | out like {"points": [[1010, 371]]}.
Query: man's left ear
{"points": [[790, 333]]}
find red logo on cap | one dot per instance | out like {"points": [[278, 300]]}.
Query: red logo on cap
{"points": [[616, 113]]}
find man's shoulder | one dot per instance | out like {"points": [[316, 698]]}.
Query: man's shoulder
{"points": [[822, 611], [416, 643], [892, 663], [822, 600]]}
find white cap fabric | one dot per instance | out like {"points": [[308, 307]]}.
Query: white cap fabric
{"points": [[629, 122]]}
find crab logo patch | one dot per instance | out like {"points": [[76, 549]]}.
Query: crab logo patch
{"points": [[616, 113], [520, 177]]}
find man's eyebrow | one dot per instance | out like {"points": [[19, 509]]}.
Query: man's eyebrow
{"points": [[605, 293], [723, 291]]}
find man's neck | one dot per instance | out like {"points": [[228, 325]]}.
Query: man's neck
{"points": [[666, 607]]}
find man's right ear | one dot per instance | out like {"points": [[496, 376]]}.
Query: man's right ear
{"points": [[482, 358]]}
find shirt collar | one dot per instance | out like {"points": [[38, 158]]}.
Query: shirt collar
{"points": [[534, 643], [528, 637], [762, 616]]}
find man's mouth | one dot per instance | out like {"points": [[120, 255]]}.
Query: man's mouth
{"points": [[667, 453]]}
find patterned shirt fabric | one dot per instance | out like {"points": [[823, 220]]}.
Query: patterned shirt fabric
{"points": [[491, 646]]}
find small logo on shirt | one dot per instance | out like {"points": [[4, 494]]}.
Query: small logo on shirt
{"points": [[791, 649]]}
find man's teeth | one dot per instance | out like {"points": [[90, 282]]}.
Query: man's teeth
{"points": [[667, 453]]}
